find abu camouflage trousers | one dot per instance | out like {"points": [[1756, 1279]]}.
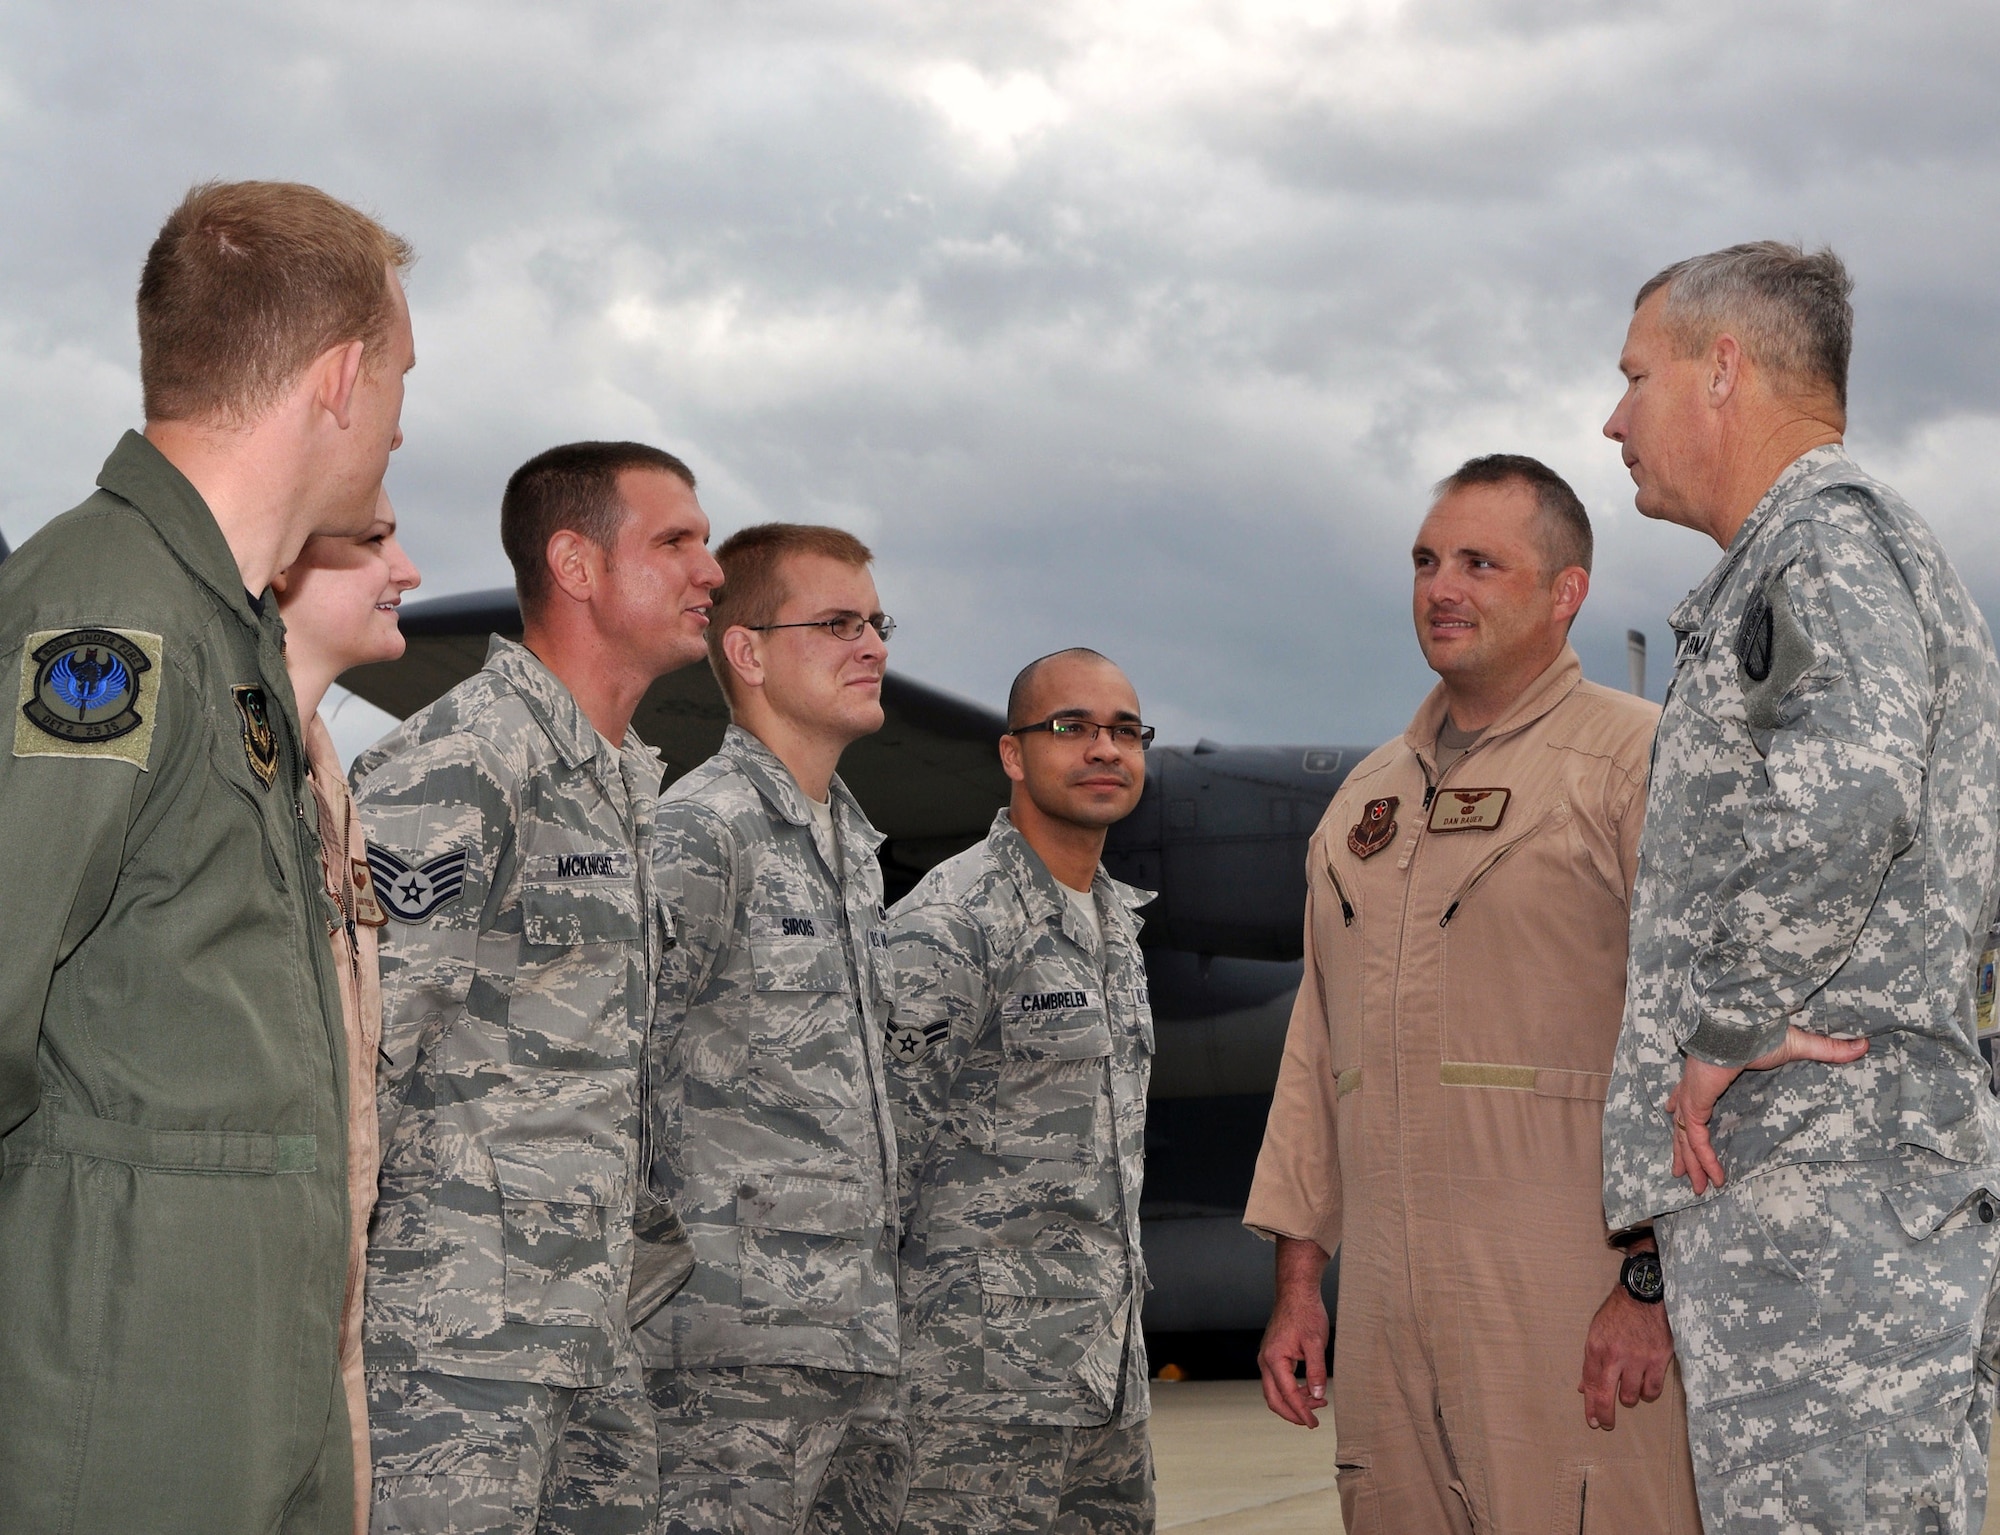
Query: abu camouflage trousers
{"points": [[972, 1478], [1838, 1337], [779, 1450], [459, 1456]]}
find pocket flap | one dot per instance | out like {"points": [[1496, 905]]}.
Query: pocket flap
{"points": [[800, 952], [1059, 1024], [563, 916], [1073, 1276], [1925, 1203], [571, 1173], [816, 1206]]}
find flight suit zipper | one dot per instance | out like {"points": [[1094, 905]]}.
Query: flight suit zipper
{"points": [[1340, 893], [1491, 862]]}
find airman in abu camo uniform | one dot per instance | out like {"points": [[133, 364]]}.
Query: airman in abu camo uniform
{"points": [[773, 1373], [511, 847], [1021, 1045], [1816, 873]]}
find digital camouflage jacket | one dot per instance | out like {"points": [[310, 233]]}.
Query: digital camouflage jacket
{"points": [[1021, 1060], [512, 854], [1819, 847], [771, 1129]]}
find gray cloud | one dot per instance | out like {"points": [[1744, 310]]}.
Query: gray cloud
{"points": [[1138, 326]]}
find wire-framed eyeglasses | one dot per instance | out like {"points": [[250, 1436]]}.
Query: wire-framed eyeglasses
{"points": [[1126, 735], [842, 626]]}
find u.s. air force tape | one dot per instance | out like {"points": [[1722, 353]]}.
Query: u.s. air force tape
{"points": [[88, 693]]}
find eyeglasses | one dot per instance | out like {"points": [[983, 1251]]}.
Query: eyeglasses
{"points": [[847, 626], [1124, 736]]}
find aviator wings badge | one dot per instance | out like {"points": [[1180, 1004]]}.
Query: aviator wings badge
{"points": [[1375, 830]]}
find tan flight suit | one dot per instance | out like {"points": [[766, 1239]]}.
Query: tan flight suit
{"points": [[352, 920], [1437, 1120]]}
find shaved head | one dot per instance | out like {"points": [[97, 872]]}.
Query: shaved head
{"points": [[1024, 704]]}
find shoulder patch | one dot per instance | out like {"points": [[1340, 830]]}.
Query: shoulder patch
{"points": [[412, 892], [88, 693]]}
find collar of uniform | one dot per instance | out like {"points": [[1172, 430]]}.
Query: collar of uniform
{"points": [[1042, 894], [782, 793], [553, 705], [1812, 464], [141, 475], [1554, 685]]}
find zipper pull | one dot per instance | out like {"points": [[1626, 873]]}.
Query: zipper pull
{"points": [[1445, 920], [1430, 793], [1346, 913]]}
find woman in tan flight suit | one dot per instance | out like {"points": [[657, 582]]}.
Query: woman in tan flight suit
{"points": [[339, 601]]}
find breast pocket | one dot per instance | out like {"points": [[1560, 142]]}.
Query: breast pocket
{"points": [[1055, 1047], [582, 967], [797, 962], [806, 1247], [556, 1206]]}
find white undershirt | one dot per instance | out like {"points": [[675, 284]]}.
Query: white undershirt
{"points": [[822, 814], [1084, 904]]}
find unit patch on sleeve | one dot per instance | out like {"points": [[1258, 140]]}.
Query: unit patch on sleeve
{"points": [[1375, 830], [260, 742], [411, 892], [1468, 809], [89, 693]]}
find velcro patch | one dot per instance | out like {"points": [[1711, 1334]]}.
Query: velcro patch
{"points": [[411, 892], [1468, 809], [610, 863], [89, 693]]}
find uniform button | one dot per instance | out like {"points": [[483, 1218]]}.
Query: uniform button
{"points": [[749, 1191], [1986, 1211]]}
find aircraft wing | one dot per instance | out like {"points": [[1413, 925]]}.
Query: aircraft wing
{"points": [[930, 779]]}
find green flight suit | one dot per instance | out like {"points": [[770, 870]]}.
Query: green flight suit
{"points": [[173, 1183]]}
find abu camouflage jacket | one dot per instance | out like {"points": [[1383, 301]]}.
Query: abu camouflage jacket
{"points": [[1021, 1060], [512, 854], [1819, 848], [770, 1126]]}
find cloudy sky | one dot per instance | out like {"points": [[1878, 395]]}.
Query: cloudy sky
{"points": [[1142, 325]]}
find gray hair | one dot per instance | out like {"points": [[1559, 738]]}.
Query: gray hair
{"points": [[1788, 308]]}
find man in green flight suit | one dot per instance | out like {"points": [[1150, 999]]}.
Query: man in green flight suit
{"points": [[173, 1202]]}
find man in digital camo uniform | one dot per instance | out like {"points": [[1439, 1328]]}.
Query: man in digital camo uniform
{"points": [[1021, 1045], [1815, 878], [773, 1373], [173, 1178], [511, 843]]}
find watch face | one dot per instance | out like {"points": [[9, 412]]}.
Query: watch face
{"points": [[1643, 1278]]}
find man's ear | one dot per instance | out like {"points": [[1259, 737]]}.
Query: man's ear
{"points": [[574, 562], [1571, 586], [1725, 369], [739, 649], [1010, 759], [336, 372]]}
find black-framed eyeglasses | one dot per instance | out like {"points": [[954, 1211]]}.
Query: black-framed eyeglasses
{"points": [[845, 626], [1125, 735]]}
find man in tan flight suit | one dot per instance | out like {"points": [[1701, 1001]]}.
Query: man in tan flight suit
{"points": [[1437, 1113]]}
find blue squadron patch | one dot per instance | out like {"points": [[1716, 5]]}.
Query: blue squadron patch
{"points": [[260, 744], [88, 693], [411, 892]]}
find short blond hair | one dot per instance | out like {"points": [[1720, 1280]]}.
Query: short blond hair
{"points": [[248, 282]]}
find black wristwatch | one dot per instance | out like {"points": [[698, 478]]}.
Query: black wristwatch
{"points": [[1643, 1278]]}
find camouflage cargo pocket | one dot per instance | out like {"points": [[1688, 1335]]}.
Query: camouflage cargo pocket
{"points": [[556, 1203], [1043, 1312], [1053, 1076], [806, 1247]]}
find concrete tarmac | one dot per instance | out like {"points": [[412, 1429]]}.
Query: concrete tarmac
{"points": [[1227, 1466]]}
